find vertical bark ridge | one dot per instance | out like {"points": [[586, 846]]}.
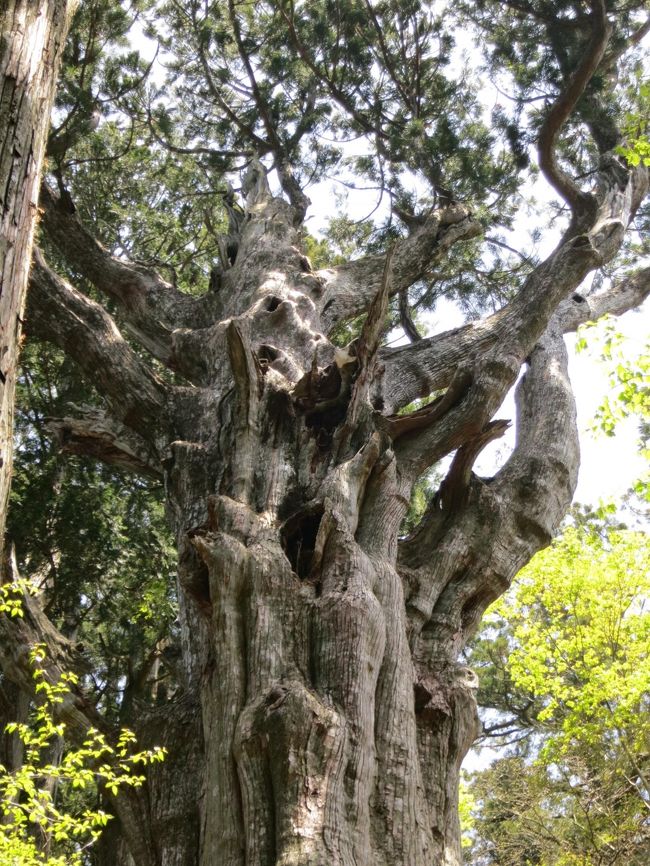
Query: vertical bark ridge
{"points": [[31, 44]]}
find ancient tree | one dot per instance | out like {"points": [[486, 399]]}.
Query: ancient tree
{"points": [[319, 713]]}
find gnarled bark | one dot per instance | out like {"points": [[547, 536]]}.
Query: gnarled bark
{"points": [[322, 649]]}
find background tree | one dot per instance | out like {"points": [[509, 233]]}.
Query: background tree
{"points": [[563, 659], [314, 704]]}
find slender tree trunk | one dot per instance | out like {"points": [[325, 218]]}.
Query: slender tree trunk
{"points": [[32, 35]]}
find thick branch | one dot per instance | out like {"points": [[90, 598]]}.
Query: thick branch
{"points": [[299, 200], [466, 551], [99, 436], [540, 477], [466, 418], [619, 298], [417, 370], [564, 105], [85, 331], [350, 288], [151, 307]]}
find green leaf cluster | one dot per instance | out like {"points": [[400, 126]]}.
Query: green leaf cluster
{"points": [[96, 542], [629, 393], [43, 822], [563, 660]]}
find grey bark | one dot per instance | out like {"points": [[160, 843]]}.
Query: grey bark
{"points": [[319, 649], [32, 35]]}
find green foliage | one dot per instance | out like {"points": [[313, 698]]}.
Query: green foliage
{"points": [[536, 46], [466, 807], [320, 252], [145, 202], [11, 595], [581, 635], [100, 70], [423, 490], [44, 820], [97, 542], [636, 149], [565, 656], [629, 380]]}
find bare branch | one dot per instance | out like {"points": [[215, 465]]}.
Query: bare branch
{"points": [[465, 423], [85, 331], [541, 474], [405, 318], [151, 307], [537, 483], [564, 105], [95, 434]]}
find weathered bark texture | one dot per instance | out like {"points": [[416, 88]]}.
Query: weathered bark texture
{"points": [[32, 35], [322, 714]]}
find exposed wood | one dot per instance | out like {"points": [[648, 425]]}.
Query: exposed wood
{"points": [[97, 435]]}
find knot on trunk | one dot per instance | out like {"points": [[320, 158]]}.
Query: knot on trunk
{"points": [[443, 696]]}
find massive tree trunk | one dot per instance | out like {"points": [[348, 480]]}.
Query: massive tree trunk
{"points": [[325, 713], [32, 35]]}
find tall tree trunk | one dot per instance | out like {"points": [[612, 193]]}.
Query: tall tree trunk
{"points": [[320, 649], [325, 652], [32, 35], [322, 713]]}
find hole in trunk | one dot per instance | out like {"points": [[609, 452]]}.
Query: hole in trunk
{"points": [[194, 575], [325, 421], [298, 537], [267, 354], [272, 303]]}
